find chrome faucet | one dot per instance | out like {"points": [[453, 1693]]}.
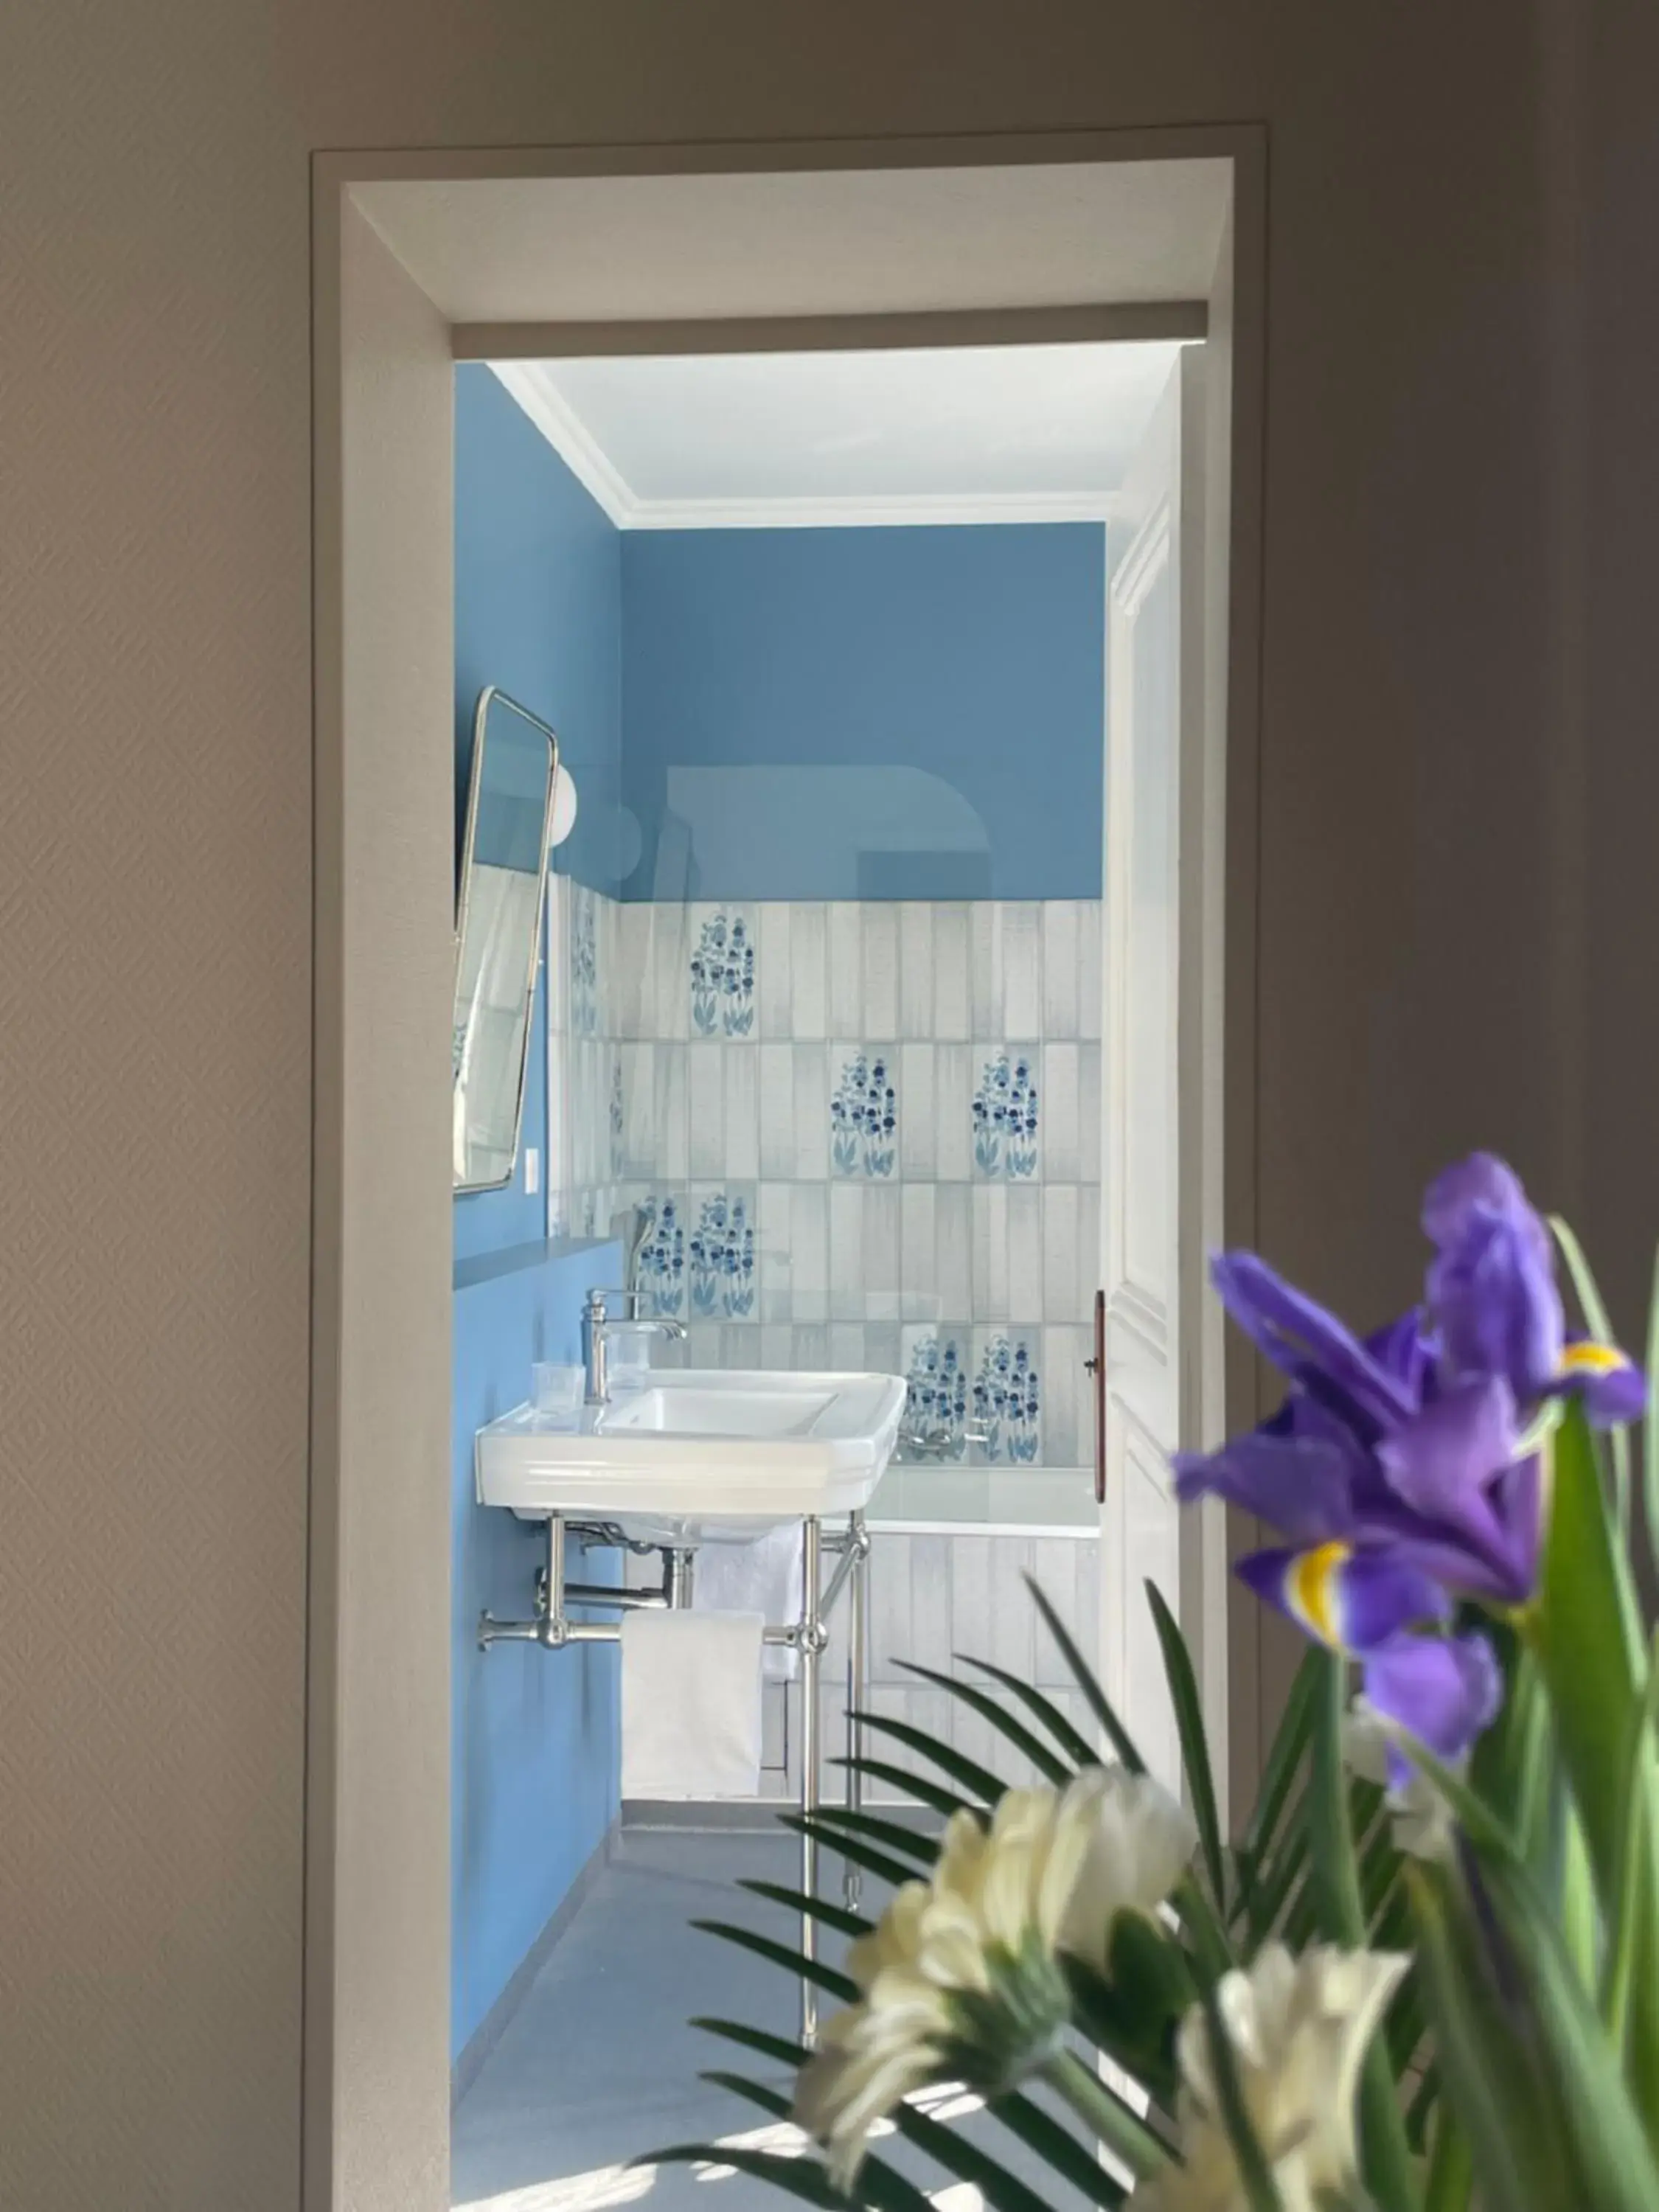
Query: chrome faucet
{"points": [[597, 1324]]}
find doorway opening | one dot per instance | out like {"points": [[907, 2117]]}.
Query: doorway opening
{"points": [[806, 285]]}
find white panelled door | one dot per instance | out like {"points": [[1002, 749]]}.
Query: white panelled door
{"points": [[1154, 750]]}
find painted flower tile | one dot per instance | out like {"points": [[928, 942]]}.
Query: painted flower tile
{"points": [[936, 1409], [864, 1117], [722, 974], [1005, 1400], [1005, 1116], [662, 1258], [720, 1258]]}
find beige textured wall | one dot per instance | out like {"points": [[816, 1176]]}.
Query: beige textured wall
{"points": [[1461, 567]]}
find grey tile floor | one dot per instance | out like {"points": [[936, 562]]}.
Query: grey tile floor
{"points": [[600, 2066]]}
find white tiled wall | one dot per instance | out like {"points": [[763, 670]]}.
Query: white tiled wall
{"points": [[702, 1052]]}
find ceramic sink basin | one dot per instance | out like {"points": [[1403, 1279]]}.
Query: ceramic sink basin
{"points": [[738, 1451]]}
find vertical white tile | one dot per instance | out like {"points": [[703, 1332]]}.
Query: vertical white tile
{"points": [[705, 1101], [777, 1109], [881, 976], [953, 1112], [1061, 955], [1058, 1113], [1066, 1402], [1013, 1616], [952, 995], [918, 1131], [808, 1251], [954, 1234], [1062, 1294], [809, 1007], [776, 1346], [671, 971], [1088, 1268], [1090, 942], [672, 1134], [630, 972], [773, 975], [811, 1350], [1053, 1569], [1089, 1110], [1022, 968], [639, 1087], [1024, 1252], [882, 1276], [990, 1217], [812, 1111], [971, 1595], [847, 1346], [846, 1279], [702, 1343], [919, 1250], [773, 1234], [915, 969], [742, 1115], [846, 970], [930, 1600], [985, 970]]}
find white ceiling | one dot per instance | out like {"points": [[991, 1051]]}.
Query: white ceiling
{"points": [[811, 242], [984, 434]]}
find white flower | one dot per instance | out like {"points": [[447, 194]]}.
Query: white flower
{"points": [[960, 1975], [1140, 1841], [1422, 1821], [1298, 2030]]}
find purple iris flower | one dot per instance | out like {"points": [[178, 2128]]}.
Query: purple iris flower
{"points": [[1396, 1469]]}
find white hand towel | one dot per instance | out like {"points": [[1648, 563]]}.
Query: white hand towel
{"points": [[690, 1704], [765, 1577]]}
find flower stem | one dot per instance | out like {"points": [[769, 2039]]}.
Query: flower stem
{"points": [[1105, 2114]]}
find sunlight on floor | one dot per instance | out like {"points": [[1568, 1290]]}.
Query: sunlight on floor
{"points": [[607, 2187]]}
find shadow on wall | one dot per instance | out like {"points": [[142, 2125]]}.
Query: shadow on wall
{"points": [[882, 832]]}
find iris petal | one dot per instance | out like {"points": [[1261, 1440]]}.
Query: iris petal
{"points": [[1443, 1690], [1610, 1385], [1307, 1343], [1303, 1486], [1351, 1601]]}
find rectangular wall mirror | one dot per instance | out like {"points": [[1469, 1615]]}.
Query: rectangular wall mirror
{"points": [[509, 814]]}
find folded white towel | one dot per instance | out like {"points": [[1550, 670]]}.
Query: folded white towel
{"points": [[690, 1704], [764, 1577]]}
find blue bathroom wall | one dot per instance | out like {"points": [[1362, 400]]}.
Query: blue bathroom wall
{"points": [[911, 713], [535, 1748], [538, 613]]}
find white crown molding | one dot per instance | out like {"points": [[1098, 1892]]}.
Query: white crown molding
{"points": [[896, 511], [535, 391], [531, 385]]}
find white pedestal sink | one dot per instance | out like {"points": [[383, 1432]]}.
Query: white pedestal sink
{"points": [[700, 1455]]}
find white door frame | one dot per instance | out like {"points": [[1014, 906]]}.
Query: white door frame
{"points": [[375, 2074]]}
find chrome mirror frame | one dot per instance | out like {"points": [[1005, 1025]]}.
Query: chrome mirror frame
{"points": [[493, 694]]}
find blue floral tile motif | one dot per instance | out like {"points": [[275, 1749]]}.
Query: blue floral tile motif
{"points": [[936, 1408], [864, 1119], [721, 1250], [1007, 1401], [662, 1259], [723, 978], [1006, 1118], [615, 1115], [584, 962]]}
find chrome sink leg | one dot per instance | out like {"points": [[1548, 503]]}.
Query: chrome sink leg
{"points": [[857, 1678], [812, 1641]]}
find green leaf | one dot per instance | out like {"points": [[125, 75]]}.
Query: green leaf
{"points": [[1084, 1675], [1488, 2075], [1599, 1326], [1052, 1768], [1275, 1884], [891, 1870], [1421, 2108], [985, 1785], [921, 1786], [1105, 2114], [1385, 2161], [1194, 1745], [815, 1908], [896, 1835], [796, 2176], [1284, 1759], [1650, 1427], [1629, 1931], [1072, 2160], [1451, 2169], [1116, 2018], [1002, 2190], [834, 1984], [1071, 1742]]}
